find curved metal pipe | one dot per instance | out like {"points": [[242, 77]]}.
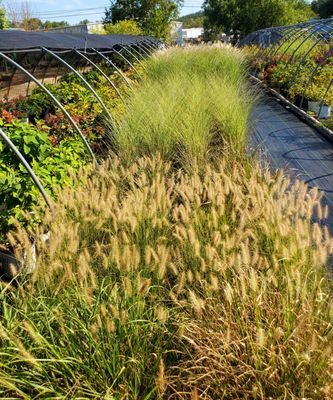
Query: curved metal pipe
{"points": [[133, 55], [86, 83], [128, 83], [153, 43], [260, 52], [144, 53], [305, 57], [129, 63], [304, 41], [289, 35], [149, 46], [308, 83], [56, 101], [142, 57], [262, 49], [143, 49], [285, 32], [292, 42], [26, 165], [103, 73]]}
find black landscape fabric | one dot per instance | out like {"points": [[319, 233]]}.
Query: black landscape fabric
{"points": [[20, 40]]}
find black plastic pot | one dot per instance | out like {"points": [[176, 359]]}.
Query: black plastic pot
{"points": [[9, 266]]}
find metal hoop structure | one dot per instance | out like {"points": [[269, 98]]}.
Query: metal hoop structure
{"points": [[132, 54], [55, 100], [103, 74], [85, 82], [28, 58], [307, 45], [129, 63], [107, 59], [26, 165]]}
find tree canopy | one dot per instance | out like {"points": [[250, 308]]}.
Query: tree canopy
{"points": [[3, 18], [55, 24], [246, 16], [152, 16], [31, 24], [323, 7], [84, 22], [125, 27], [195, 20]]}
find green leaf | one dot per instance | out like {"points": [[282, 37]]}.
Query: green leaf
{"points": [[26, 149]]}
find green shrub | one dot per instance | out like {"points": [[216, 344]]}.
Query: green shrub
{"points": [[125, 27], [52, 165], [50, 143]]}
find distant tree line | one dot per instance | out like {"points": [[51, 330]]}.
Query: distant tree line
{"points": [[240, 17], [245, 16], [195, 20], [20, 15], [324, 8], [33, 24]]}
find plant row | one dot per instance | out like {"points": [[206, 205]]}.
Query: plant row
{"points": [[302, 71], [48, 140]]}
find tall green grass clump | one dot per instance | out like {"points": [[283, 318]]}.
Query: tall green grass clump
{"points": [[194, 104], [162, 283]]}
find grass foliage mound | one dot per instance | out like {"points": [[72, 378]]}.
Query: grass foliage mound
{"points": [[192, 104], [161, 282]]}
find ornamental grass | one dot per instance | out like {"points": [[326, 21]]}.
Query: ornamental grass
{"points": [[194, 103], [158, 283]]}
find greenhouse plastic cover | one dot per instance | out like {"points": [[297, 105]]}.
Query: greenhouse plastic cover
{"points": [[20, 40]]}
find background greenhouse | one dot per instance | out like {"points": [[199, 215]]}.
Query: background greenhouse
{"points": [[297, 60]]}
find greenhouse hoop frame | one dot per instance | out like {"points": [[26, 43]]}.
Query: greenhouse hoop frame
{"points": [[27, 52], [271, 41]]}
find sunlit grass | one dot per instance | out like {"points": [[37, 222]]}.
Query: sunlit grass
{"points": [[194, 103], [160, 283]]}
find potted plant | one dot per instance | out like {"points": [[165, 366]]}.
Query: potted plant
{"points": [[279, 78], [318, 91], [314, 95], [326, 107], [294, 92]]}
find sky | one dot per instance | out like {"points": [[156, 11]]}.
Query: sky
{"points": [[74, 11]]}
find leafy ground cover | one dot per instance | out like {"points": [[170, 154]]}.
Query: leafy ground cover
{"points": [[49, 142], [164, 281]]}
